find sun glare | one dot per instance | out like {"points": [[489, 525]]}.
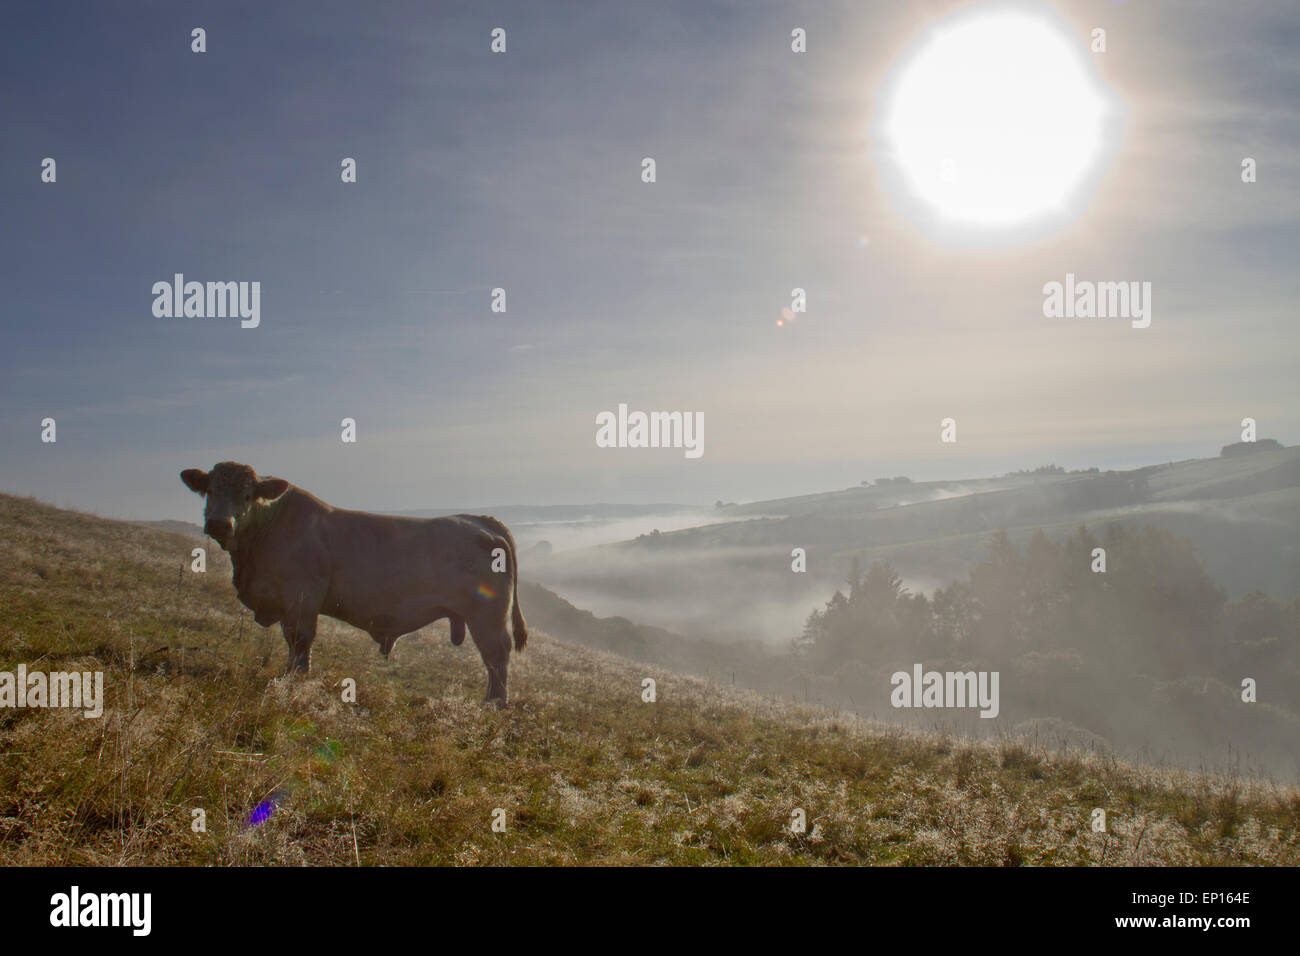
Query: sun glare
{"points": [[996, 119]]}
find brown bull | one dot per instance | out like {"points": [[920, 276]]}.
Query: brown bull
{"points": [[296, 557]]}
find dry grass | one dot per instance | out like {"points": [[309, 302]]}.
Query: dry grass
{"points": [[196, 717]]}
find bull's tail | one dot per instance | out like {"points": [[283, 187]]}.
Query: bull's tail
{"points": [[517, 620], [519, 628]]}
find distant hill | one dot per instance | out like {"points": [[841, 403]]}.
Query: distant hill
{"points": [[531, 513], [177, 527], [1249, 447], [733, 579]]}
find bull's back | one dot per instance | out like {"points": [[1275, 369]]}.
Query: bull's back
{"points": [[387, 565]]}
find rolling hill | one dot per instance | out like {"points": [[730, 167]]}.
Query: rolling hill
{"points": [[731, 579]]}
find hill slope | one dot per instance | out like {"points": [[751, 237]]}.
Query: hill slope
{"points": [[196, 718]]}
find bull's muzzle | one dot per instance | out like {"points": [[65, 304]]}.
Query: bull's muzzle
{"points": [[218, 531]]}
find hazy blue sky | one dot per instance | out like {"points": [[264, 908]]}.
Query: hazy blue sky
{"points": [[522, 171]]}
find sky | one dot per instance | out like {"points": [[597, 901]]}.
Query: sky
{"points": [[522, 170]]}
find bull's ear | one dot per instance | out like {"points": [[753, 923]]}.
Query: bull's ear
{"points": [[196, 479], [268, 489]]}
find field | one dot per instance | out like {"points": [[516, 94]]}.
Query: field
{"points": [[198, 718]]}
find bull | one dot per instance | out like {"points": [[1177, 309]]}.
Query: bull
{"points": [[296, 557]]}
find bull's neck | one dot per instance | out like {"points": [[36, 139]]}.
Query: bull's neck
{"points": [[254, 525]]}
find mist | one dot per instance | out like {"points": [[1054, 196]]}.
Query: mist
{"points": [[1148, 657]]}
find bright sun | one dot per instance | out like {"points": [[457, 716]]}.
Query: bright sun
{"points": [[995, 120]]}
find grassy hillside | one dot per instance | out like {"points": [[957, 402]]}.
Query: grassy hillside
{"points": [[197, 717]]}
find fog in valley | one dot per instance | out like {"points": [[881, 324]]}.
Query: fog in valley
{"points": [[1146, 657]]}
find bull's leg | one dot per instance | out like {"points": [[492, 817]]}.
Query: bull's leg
{"points": [[299, 633], [493, 642]]}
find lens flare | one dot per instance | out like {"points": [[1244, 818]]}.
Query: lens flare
{"points": [[262, 812]]}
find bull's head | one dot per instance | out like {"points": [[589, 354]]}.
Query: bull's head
{"points": [[230, 490]]}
